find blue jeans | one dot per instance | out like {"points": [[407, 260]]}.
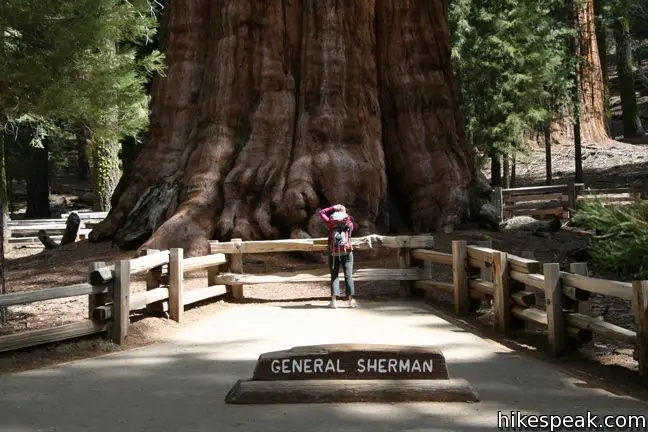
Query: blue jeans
{"points": [[334, 265]]}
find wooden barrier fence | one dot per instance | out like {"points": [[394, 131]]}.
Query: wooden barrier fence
{"points": [[555, 200], [515, 285], [21, 231]]}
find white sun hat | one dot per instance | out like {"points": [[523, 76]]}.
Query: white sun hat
{"points": [[339, 216]]}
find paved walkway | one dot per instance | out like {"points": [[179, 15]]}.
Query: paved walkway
{"points": [[181, 385]]}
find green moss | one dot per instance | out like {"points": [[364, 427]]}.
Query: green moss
{"points": [[106, 170]]}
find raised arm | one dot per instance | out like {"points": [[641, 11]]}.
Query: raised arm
{"points": [[324, 213]]}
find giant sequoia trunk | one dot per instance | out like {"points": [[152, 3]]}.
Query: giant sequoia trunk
{"points": [[272, 109]]}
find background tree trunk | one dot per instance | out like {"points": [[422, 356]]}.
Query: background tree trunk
{"points": [[105, 172], [83, 172], [603, 46], [547, 142], [631, 123], [4, 195], [271, 110], [591, 84], [38, 187], [496, 171]]}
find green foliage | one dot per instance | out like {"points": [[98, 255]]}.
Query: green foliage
{"points": [[513, 66], [77, 67], [76, 60], [621, 243]]}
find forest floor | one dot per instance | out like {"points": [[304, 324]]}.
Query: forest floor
{"points": [[614, 163]]}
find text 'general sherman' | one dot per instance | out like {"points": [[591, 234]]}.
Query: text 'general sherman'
{"points": [[362, 365]]}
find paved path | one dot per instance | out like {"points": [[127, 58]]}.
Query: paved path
{"points": [[181, 385]]}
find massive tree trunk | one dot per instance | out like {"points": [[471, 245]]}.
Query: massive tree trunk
{"points": [[273, 109], [591, 87]]}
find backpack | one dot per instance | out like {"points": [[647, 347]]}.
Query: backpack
{"points": [[340, 236]]}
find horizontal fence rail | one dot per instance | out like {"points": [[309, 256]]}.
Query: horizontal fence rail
{"points": [[555, 200], [521, 290]]}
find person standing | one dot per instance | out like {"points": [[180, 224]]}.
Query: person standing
{"points": [[340, 226]]}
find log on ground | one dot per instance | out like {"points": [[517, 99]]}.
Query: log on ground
{"points": [[46, 240], [332, 391]]}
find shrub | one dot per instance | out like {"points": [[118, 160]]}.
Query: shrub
{"points": [[620, 242]]}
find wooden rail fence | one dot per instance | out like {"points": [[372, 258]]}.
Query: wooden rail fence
{"points": [[555, 200], [21, 231], [522, 290]]}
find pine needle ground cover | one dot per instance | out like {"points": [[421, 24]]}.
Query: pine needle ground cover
{"points": [[620, 242]]}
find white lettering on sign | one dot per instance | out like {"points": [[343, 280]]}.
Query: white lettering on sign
{"points": [[309, 366], [394, 365], [320, 366]]}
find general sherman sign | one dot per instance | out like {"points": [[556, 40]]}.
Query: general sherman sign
{"points": [[347, 361]]}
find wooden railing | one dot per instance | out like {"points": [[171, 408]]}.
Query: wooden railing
{"points": [[110, 300], [515, 285], [555, 200], [22, 231]]}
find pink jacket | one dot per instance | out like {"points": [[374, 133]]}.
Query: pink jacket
{"points": [[331, 224]]}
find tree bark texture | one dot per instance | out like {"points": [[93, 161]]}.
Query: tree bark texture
{"points": [[592, 92], [602, 43], [105, 172], [272, 109]]}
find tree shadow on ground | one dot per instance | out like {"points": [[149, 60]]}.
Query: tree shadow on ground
{"points": [[182, 385]]}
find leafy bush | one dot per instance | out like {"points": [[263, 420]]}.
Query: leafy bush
{"points": [[621, 236]]}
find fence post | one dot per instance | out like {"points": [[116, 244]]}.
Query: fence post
{"points": [[404, 260], [236, 266], [460, 277], [583, 306], [121, 299], [498, 202], [212, 272], [553, 302], [153, 280], [176, 276], [640, 308], [502, 303], [95, 300]]}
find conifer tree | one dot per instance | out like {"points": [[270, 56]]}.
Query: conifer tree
{"points": [[513, 65]]}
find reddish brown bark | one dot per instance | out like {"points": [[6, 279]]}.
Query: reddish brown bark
{"points": [[271, 109], [592, 100]]}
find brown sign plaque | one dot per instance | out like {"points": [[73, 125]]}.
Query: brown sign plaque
{"points": [[351, 362]]}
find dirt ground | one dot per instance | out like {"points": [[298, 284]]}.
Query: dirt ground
{"points": [[615, 163]]}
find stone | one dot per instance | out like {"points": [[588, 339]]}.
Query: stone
{"points": [[351, 361], [351, 373]]}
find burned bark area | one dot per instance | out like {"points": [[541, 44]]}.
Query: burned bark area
{"points": [[284, 117]]}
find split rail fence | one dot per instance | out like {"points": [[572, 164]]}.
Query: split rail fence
{"points": [[21, 231], [521, 290], [555, 200]]}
